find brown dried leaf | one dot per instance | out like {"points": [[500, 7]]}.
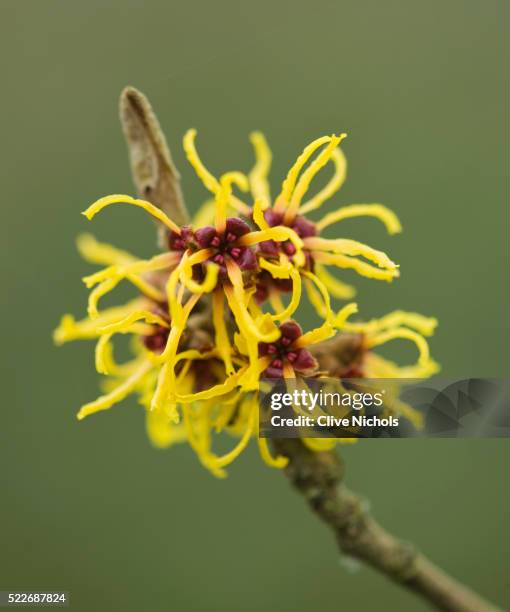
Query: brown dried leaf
{"points": [[155, 176]]}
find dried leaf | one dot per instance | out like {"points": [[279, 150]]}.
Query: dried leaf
{"points": [[156, 178]]}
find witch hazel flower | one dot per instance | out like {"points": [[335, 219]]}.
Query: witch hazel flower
{"points": [[201, 336], [288, 356], [289, 209]]}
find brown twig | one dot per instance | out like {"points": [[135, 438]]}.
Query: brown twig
{"points": [[318, 476]]}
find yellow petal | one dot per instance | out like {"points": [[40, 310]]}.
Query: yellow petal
{"points": [[306, 178], [290, 181], [258, 175], [361, 267], [209, 181], [117, 395], [379, 211], [334, 184], [335, 286], [100, 252], [222, 340], [156, 212], [349, 247]]}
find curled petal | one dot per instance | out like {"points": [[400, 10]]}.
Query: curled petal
{"points": [[101, 253], [211, 274], [379, 211], [423, 325], [290, 181], [118, 394], [278, 462], [308, 175], [351, 248], [124, 325], [361, 267], [70, 329], [222, 340], [284, 313], [258, 215], [220, 462], [258, 175], [336, 287], [209, 181], [221, 389], [336, 181], [156, 212], [425, 365], [344, 313], [224, 194]]}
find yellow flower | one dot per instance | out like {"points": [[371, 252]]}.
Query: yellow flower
{"points": [[201, 338], [289, 209]]}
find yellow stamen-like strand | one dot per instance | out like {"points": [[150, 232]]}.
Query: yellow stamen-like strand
{"points": [[336, 287], [334, 184], [222, 340], [290, 181], [224, 194], [379, 211], [308, 175], [117, 395], [361, 267], [349, 247], [156, 212], [423, 325], [258, 175]]}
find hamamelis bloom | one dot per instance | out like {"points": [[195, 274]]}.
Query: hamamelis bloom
{"points": [[356, 357], [210, 265], [291, 208], [201, 338], [210, 260], [398, 325], [208, 398]]}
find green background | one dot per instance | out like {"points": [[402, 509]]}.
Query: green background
{"points": [[422, 89]]}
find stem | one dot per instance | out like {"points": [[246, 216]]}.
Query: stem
{"points": [[318, 477]]}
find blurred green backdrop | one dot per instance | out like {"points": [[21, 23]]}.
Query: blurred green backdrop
{"points": [[422, 89]]}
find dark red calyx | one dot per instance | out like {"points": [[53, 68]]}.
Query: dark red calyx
{"points": [[225, 244], [283, 350], [156, 341], [303, 227], [289, 248], [269, 248], [265, 282], [180, 242]]}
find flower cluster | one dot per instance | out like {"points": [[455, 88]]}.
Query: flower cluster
{"points": [[214, 311]]}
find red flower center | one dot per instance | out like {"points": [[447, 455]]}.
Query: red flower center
{"points": [[226, 245], [284, 351], [303, 227], [156, 341]]}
